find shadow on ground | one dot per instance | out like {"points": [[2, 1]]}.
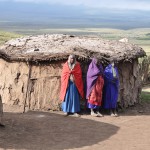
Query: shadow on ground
{"points": [[50, 131]]}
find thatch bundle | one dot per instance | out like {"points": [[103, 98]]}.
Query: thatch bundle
{"points": [[31, 66]]}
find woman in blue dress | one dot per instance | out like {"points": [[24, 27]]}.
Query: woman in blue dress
{"points": [[111, 88], [71, 86]]}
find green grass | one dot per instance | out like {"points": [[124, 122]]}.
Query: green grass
{"points": [[5, 36], [145, 96]]}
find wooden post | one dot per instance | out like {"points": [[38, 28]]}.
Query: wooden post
{"points": [[27, 90], [1, 112]]}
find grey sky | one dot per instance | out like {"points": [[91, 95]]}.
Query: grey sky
{"points": [[77, 13], [97, 4]]}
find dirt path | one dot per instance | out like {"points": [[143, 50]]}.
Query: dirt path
{"points": [[53, 131]]}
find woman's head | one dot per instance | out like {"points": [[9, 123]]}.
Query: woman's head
{"points": [[113, 63], [95, 61], [71, 59]]}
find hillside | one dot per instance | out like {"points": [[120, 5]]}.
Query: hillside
{"points": [[5, 36]]}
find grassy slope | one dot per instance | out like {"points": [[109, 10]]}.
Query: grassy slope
{"points": [[5, 36]]}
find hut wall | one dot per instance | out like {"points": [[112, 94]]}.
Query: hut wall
{"points": [[38, 86], [30, 87], [130, 83], [13, 82], [44, 86]]}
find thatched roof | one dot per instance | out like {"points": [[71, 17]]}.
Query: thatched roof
{"points": [[58, 47]]}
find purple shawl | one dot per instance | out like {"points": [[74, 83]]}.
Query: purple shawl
{"points": [[92, 74]]}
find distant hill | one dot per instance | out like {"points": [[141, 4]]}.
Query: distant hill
{"points": [[17, 16]]}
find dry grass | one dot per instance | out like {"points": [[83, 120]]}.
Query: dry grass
{"points": [[5, 36]]}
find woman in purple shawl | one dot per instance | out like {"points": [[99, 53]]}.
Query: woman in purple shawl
{"points": [[111, 87], [95, 84]]}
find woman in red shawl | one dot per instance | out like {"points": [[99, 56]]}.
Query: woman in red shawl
{"points": [[71, 86], [95, 84]]}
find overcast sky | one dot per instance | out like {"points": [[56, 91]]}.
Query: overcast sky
{"points": [[96, 4], [115, 13]]}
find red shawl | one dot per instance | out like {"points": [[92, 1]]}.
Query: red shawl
{"points": [[77, 73]]}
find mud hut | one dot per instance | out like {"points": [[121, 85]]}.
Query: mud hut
{"points": [[30, 68]]}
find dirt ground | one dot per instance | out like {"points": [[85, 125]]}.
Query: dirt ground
{"points": [[53, 131]]}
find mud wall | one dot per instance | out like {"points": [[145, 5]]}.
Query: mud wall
{"points": [[13, 82], [130, 83], [29, 86], [44, 87]]}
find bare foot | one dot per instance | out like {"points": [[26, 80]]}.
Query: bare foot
{"points": [[66, 114], [112, 115], [76, 115], [116, 115], [94, 114], [99, 114]]}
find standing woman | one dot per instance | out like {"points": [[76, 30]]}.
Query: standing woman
{"points": [[111, 88], [95, 84], [71, 86]]}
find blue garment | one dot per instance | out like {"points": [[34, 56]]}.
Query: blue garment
{"points": [[72, 99], [91, 106], [111, 87]]}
